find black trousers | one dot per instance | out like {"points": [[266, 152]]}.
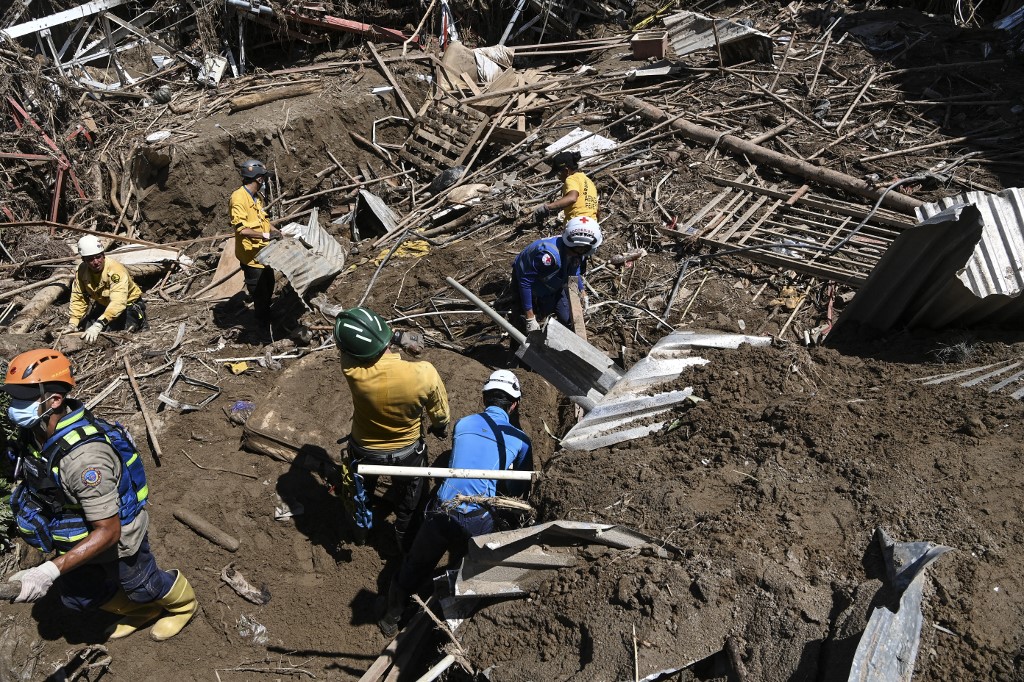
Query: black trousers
{"points": [[259, 283], [408, 490], [133, 318]]}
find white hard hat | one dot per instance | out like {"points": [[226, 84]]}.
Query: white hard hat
{"points": [[89, 245], [583, 231], [505, 381]]}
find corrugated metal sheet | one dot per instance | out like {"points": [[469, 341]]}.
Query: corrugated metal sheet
{"points": [[317, 238], [627, 410], [303, 267], [888, 648], [995, 266], [380, 209], [961, 267], [690, 32]]}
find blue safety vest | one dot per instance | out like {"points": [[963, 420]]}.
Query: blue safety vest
{"points": [[41, 468]]}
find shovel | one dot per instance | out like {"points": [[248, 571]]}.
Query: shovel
{"points": [[569, 363]]}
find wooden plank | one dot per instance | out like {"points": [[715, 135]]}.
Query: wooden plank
{"points": [[470, 83], [426, 135], [472, 141], [427, 151], [393, 81]]}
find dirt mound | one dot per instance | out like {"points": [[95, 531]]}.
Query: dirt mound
{"points": [[772, 487]]}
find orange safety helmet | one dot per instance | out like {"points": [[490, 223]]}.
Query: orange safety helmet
{"points": [[36, 372]]}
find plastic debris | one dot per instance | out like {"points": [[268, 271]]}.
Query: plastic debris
{"points": [[241, 411], [251, 630], [239, 584]]}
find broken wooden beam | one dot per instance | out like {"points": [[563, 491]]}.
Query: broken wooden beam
{"points": [[798, 167], [393, 81], [256, 99], [146, 416]]}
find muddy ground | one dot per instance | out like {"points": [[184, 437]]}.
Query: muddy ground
{"points": [[771, 487]]}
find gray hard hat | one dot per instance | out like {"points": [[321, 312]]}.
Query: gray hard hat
{"points": [[251, 168]]}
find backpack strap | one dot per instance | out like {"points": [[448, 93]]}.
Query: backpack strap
{"points": [[499, 437]]}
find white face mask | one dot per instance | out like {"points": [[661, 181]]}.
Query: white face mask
{"points": [[25, 413]]}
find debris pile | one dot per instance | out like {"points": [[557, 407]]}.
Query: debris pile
{"points": [[760, 174]]}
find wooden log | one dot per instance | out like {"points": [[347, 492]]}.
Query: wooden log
{"points": [[11, 293], [798, 167], [256, 99], [43, 299], [207, 530]]}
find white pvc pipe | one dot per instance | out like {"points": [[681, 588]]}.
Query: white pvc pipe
{"points": [[441, 472], [436, 671]]}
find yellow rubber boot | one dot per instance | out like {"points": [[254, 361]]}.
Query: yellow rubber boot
{"points": [[181, 604], [135, 616]]}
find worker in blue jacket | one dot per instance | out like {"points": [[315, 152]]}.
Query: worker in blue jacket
{"points": [[542, 270], [486, 440]]}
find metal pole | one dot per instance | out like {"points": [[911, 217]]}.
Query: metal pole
{"points": [[441, 472], [490, 312]]}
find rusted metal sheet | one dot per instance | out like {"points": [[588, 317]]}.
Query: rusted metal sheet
{"points": [[961, 266], [317, 238], [303, 267], [690, 32]]}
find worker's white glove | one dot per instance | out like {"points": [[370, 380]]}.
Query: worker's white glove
{"points": [[93, 332], [532, 325], [35, 582], [585, 301]]}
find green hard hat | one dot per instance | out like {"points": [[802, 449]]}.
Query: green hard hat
{"points": [[362, 333]]}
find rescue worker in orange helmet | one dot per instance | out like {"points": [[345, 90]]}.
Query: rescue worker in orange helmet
{"points": [[82, 491]]}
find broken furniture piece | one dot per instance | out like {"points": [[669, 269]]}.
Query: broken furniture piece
{"points": [[509, 563], [444, 136]]}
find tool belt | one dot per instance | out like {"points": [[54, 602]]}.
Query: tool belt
{"points": [[386, 457]]}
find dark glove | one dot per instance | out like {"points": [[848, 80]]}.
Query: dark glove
{"points": [[275, 235], [439, 431], [541, 213]]}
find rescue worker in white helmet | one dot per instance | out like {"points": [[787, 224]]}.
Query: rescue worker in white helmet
{"points": [[253, 232], [487, 440], [389, 397], [82, 492], [579, 195], [543, 269], [103, 294]]}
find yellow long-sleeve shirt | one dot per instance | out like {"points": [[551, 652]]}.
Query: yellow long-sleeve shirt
{"points": [[112, 288], [389, 398], [247, 212], [586, 204]]}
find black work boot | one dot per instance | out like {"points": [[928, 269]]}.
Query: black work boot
{"points": [[397, 598]]}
